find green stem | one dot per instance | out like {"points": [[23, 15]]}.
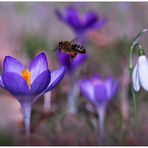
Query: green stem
{"points": [[133, 92], [134, 100], [132, 47]]}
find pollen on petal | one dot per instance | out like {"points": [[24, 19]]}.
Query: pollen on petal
{"points": [[27, 76]]}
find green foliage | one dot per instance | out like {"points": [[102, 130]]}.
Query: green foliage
{"points": [[33, 44], [6, 140]]}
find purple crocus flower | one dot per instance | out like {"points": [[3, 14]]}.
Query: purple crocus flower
{"points": [[71, 66], [28, 84], [99, 92], [80, 24]]}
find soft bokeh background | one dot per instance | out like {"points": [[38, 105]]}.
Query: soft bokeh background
{"points": [[27, 28]]}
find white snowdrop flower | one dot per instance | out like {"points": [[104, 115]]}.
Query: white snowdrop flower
{"points": [[140, 72]]}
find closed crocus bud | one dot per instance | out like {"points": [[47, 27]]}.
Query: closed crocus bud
{"points": [[140, 72]]}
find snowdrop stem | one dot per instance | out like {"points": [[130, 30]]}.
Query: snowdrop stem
{"points": [[134, 102], [132, 47], [101, 118], [26, 109]]}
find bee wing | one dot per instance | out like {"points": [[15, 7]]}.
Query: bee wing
{"points": [[75, 40], [77, 45], [78, 40], [54, 49]]}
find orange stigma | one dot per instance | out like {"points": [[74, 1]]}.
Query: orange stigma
{"points": [[26, 75]]}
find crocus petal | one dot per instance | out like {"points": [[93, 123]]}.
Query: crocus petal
{"points": [[40, 83], [114, 88], [108, 83], [96, 77], [15, 84], [56, 77], [73, 18], [90, 19], [60, 15], [111, 87], [79, 60], [38, 65], [70, 17], [11, 64], [99, 24], [1, 82], [143, 72], [87, 89], [100, 94], [135, 79], [64, 59]]}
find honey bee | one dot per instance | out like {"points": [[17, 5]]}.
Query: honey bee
{"points": [[68, 47]]}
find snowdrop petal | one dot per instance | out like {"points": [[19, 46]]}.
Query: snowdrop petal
{"points": [[143, 72], [135, 79]]}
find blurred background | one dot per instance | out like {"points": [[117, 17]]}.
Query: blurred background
{"points": [[28, 28]]}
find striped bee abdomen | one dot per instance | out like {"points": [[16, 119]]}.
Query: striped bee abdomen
{"points": [[78, 48]]}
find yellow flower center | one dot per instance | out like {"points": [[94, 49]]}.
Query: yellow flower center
{"points": [[26, 75]]}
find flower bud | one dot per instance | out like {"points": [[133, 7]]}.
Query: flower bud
{"points": [[143, 71]]}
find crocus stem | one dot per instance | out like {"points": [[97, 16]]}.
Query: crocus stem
{"points": [[101, 118], [26, 108], [72, 95], [47, 102], [71, 100]]}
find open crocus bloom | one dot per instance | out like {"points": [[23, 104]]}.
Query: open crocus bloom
{"points": [[97, 91], [140, 74], [80, 24], [27, 84]]}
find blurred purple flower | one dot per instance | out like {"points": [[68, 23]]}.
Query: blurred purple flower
{"points": [[71, 66], [27, 85], [64, 59], [97, 91], [80, 24]]}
